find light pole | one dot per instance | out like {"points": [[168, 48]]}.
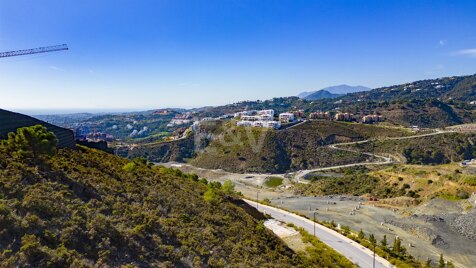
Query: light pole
{"points": [[314, 217], [374, 255], [257, 192]]}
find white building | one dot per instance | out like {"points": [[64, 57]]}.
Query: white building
{"points": [[243, 113], [286, 117], [244, 123], [263, 118], [266, 117], [272, 124], [250, 117], [266, 112], [258, 123]]}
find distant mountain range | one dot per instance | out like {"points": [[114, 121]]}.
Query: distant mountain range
{"points": [[331, 92], [321, 94]]}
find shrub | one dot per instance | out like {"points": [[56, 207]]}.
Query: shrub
{"points": [[470, 180], [228, 187], [210, 195], [273, 182], [130, 167]]}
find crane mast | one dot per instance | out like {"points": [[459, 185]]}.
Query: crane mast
{"points": [[33, 51]]}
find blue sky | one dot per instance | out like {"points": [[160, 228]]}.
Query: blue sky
{"points": [[136, 55]]}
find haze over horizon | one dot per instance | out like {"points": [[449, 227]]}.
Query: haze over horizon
{"points": [[150, 54]]}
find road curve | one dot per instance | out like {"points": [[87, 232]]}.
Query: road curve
{"points": [[299, 175], [355, 252]]}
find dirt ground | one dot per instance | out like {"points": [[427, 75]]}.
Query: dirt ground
{"points": [[425, 230]]}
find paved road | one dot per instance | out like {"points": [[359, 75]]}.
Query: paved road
{"points": [[355, 252], [299, 175]]}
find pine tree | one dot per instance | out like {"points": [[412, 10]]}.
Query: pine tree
{"points": [[441, 262], [372, 240], [361, 234], [384, 242], [397, 245]]}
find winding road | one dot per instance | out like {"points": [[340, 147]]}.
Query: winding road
{"points": [[355, 252], [301, 174]]}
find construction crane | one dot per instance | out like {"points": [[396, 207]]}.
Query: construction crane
{"points": [[33, 51]]}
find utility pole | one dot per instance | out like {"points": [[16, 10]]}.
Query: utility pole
{"points": [[374, 256], [257, 192], [314, 217]]}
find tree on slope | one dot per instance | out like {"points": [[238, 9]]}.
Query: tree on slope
{"points": [[33, 143]]}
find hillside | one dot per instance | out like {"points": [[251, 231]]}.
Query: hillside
{"points": [[321, 94], [436, 149], [427, 103], [86, 208], [10, 122], [300, 147], [260, 150], [459, 88], [398, 185], [340, 89], [179, 151]]}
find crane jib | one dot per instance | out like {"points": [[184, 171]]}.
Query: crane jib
{"points": [[33, 51]]}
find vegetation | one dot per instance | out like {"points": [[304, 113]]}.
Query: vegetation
{"points": [[396, 255], [11, 121], [87, 208], [321, 255], [416, 183], [30, 143], [273, 182], [305, 146], [428, 103], [163, 152], [436, 149]]}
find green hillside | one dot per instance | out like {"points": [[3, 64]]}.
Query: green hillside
{"points": [[85, 208], [163, 151], [436, 149], [304, 146], [427, 103], [224, 146]]}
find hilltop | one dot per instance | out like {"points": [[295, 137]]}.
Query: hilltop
{"points": [[321, 94], [334, 90]]}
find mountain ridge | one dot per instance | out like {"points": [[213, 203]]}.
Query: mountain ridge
{"points": [[338, 89]]}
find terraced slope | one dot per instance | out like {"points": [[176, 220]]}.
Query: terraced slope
{"points": [[10, 122]]}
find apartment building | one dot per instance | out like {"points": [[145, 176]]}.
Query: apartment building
{"points": [[286, 117]]}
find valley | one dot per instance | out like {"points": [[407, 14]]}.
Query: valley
{"points": [[429, 226], [358, 170], [238, 134]]}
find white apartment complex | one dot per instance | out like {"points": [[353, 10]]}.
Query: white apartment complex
{"points": [[263, 118], [286, 117]]}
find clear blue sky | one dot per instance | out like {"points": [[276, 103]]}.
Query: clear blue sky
{"points": [[173, 53]]}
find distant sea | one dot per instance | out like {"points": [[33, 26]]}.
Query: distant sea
{"points": [[32, 112]]}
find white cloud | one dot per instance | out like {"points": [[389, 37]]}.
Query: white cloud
{"points": [[471, 52], [56, 68], [442, 42]]}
